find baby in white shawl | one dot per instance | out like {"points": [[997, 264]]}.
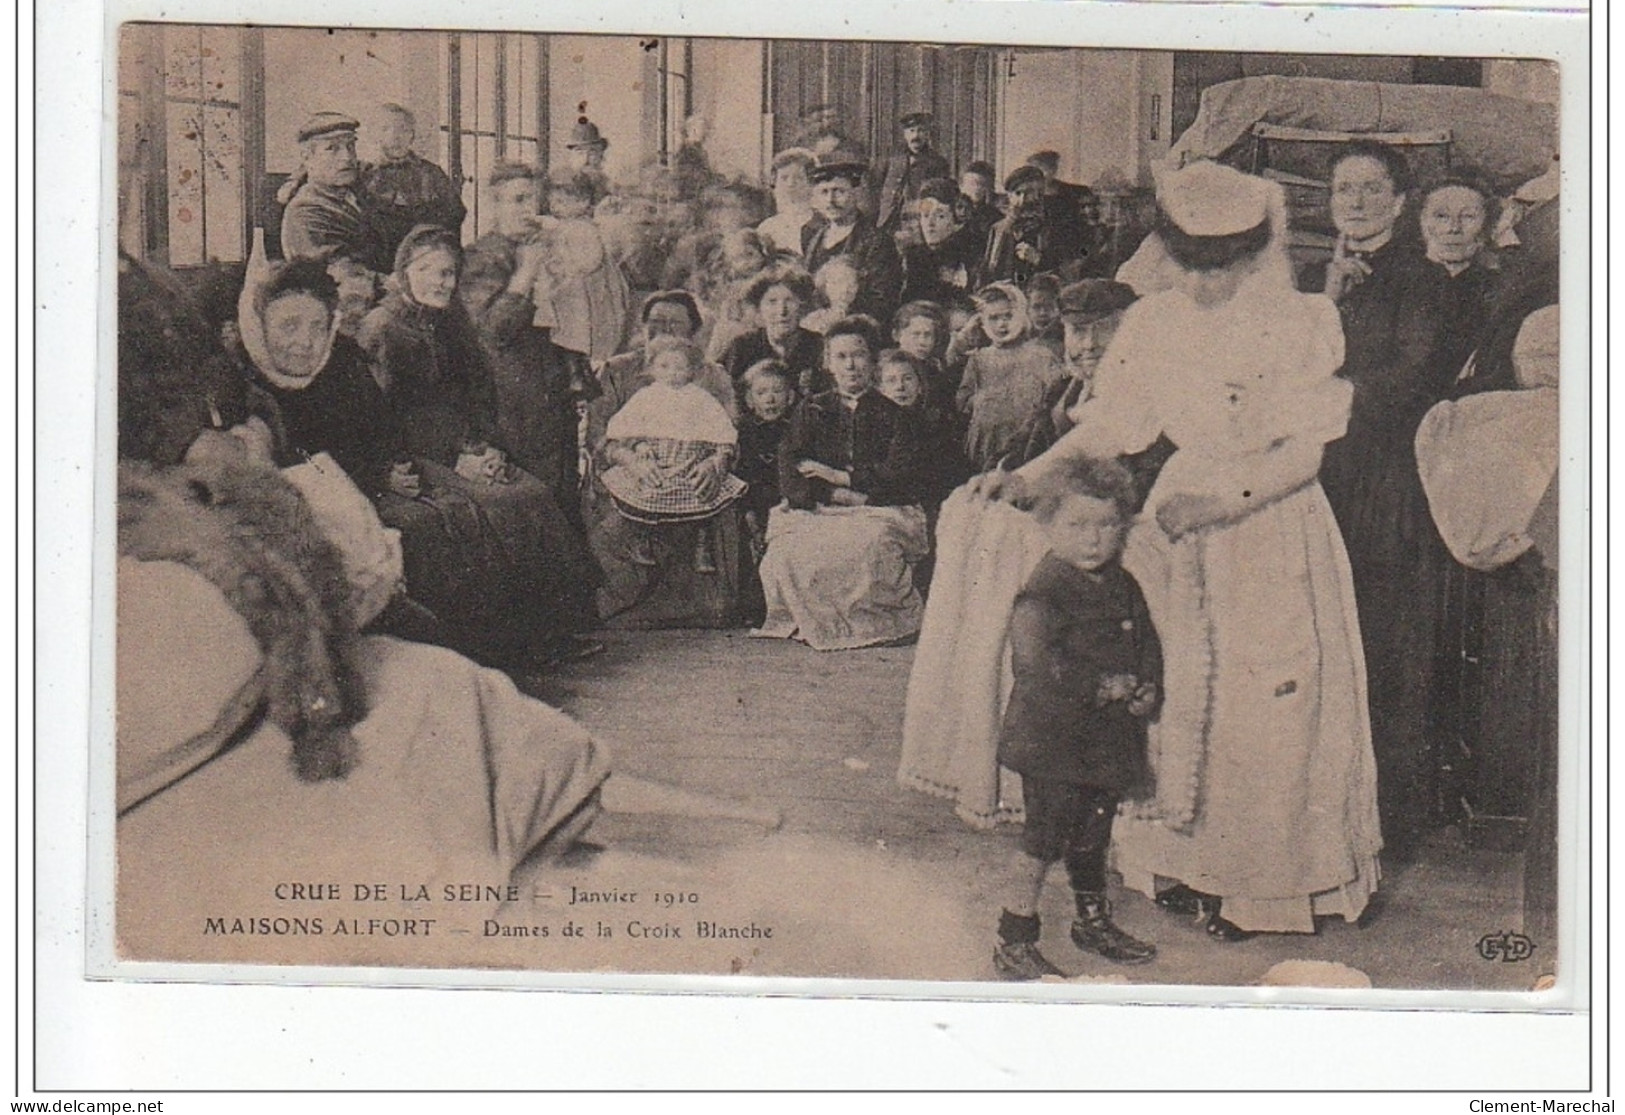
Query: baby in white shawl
{"points": [[672, 445]]}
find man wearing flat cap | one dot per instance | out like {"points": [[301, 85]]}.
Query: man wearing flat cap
{"points": [[905, 172], [838, 228], [325, 219], [1091, 311], [1032, 239]]}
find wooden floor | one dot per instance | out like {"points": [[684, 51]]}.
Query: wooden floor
{"points": [[866, 879]]}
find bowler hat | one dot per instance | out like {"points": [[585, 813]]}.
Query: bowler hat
{"points": [[327, 123], [1094, 298]]}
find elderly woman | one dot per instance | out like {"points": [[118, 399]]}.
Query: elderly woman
{"points": [[525, 598], [780, 297], [1389, 297], [1455, 217], [838, 572]]}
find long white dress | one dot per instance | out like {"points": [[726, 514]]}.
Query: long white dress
{"points": [[1266, 785]]}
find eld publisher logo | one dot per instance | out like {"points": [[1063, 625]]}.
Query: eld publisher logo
{"points": [[1506, 946]]}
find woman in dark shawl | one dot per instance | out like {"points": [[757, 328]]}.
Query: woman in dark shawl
{"points": [[520, 590]]}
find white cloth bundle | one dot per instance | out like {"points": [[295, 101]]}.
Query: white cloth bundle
{"points": [[371, 552]]}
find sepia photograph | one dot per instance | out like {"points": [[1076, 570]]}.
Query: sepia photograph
{"points": [[836, 509]]}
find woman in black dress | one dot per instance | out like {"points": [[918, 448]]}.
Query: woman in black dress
{"points": [[780, 296], [1389, 297]]}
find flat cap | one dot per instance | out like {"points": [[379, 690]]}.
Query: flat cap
{"points": [[1093, 298], [327, 123], [838, 164], [917, 120], [1021, 176]]}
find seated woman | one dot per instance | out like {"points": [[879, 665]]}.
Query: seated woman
{"points": [[635, 593], [508, 572], [838, 572], [672, 444], [780, 295]]}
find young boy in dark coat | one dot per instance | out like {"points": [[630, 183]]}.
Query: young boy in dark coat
{"points": [[1088, 675]]}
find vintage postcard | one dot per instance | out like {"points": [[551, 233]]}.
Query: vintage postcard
{"points": [[605, 506]]}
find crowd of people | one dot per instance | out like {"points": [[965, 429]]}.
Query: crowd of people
{"points": [[689, 380]]}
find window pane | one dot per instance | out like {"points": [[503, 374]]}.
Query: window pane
{"points": [[484, 101], [186, 195], [514, 80], [484, 150], [527, 89], [181, 74], [223, 183], [221, 57]]}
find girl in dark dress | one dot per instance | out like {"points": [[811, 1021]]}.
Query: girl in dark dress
{"points": [[1388, 295]]}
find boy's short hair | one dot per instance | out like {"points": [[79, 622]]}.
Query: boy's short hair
{"points": [[1045, 282], [768, 369], [1097, 478], [983, 169], [691, 351], [898, 356], [856, 325], [911, 310], [390, 108]]}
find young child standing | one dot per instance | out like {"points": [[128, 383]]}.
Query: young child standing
{"points": [[670, 448], [1088, 673], [582, 294], [770, 394], [1005, 383], [1044, 312]]}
